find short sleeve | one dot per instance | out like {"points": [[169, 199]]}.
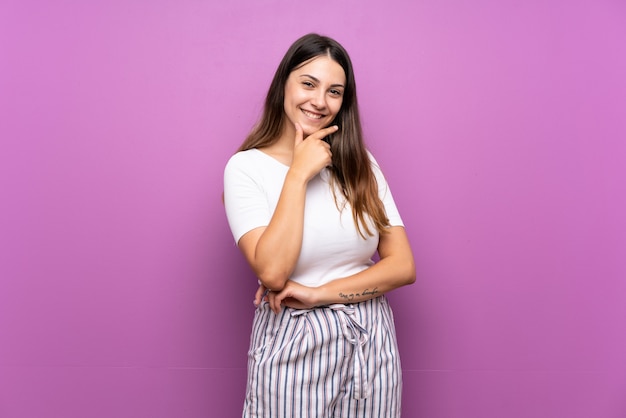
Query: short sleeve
{"points": [[245, 199]]}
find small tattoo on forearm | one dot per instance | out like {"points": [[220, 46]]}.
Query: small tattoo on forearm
{"points": [[350, 296], [370, 292]]}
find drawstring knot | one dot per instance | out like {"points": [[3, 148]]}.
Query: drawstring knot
{"points": [[356, 335]]}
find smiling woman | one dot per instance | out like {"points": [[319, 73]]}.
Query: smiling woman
{"points": [[323, 340], [313, 95]]}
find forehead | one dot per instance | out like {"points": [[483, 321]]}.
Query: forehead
{"points": [[323, 68]]}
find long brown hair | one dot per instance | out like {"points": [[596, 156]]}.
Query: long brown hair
{"points": [[351, 167]]}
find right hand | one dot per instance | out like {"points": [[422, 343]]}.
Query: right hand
{"points": [[312, 154]]}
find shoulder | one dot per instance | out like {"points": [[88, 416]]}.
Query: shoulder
{"points": [[241, 168], [243, 159], [374, 164], [254, 167], [248, 163], [378, 174]]}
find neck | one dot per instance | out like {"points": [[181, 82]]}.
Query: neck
{"points": [[282, 148], [286, 139]]}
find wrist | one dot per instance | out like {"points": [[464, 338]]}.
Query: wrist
{"points": [[297, 176], [320, 296]]}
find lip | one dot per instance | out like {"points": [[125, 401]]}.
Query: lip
{"points": [[312, 115]]}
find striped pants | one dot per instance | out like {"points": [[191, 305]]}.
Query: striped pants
{"points": [[337, 361]]}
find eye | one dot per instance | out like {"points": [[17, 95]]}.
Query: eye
{"points": [[308, 84], [336, 92]]}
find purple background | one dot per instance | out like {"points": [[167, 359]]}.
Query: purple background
{"points": [[500, 125]]}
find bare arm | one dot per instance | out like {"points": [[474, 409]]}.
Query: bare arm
{"points": [[396, 268], [273, 251]]}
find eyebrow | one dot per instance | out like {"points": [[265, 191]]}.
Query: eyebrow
{"points": [[317, 80]]}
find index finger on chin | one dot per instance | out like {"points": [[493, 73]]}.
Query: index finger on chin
{"points": [[323, 133]]}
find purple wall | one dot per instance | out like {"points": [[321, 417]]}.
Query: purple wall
{"points": [[500, 125]]}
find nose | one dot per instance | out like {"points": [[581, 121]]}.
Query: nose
{"points": [[318, 99]]}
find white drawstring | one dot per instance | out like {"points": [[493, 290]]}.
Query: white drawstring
{"points": [[356, 335]]}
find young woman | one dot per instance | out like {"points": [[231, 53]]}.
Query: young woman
{"points": [[308, 207]]}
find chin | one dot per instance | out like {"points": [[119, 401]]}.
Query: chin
{"points": [[310, 129], [307, 130]]}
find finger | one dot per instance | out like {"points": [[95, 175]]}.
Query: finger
{"points": [[299, 134], [323, 133], [258, 296], [274, 302], [294, 303]]}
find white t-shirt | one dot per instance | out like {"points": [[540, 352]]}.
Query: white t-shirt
{"points": [[332, 247]]}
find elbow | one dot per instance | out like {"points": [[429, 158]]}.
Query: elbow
{"points": [[273, 280], [410, 275], [411, 278]]}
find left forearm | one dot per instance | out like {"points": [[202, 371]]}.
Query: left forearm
{"points": [[396, 268], [384, 276]]}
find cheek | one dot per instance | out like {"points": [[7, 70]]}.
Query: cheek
{"points": [[293, 93], [337, 107], [290, 102]]}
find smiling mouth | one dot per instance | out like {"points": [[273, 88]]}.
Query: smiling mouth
{"points": [[312, 115]]}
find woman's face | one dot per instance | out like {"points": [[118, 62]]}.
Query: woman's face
{"points": [[314, 94]]}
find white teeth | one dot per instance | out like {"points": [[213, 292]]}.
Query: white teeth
{"points": [[312, 115]]}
